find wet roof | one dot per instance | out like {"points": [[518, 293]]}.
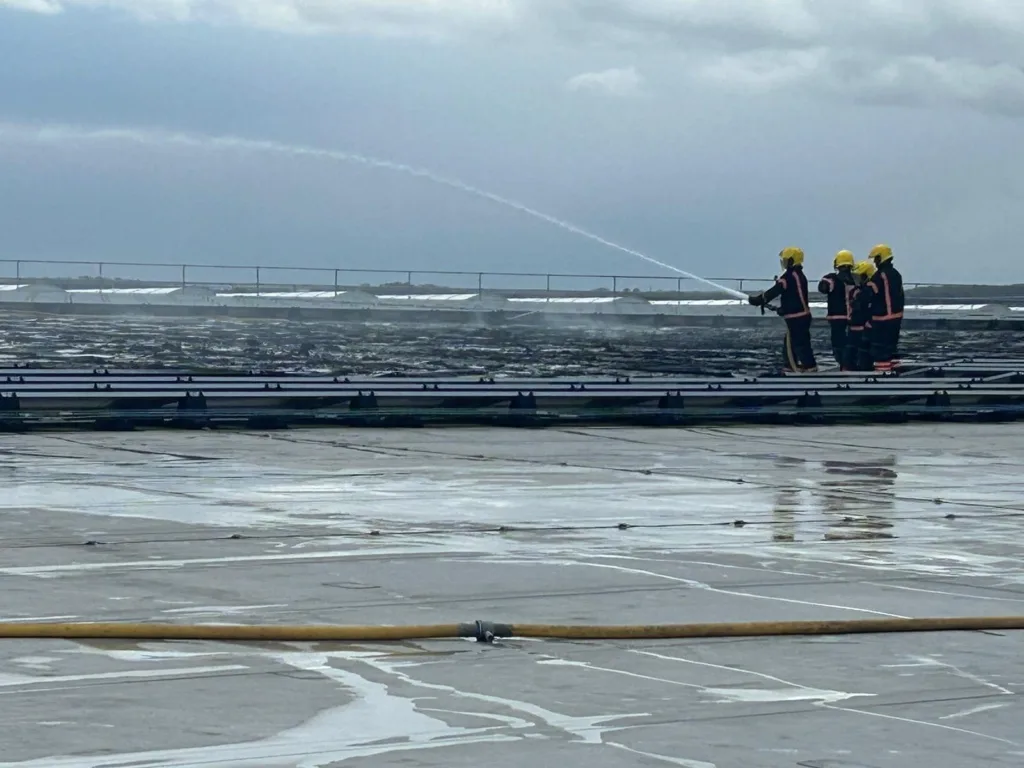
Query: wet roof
{"points": [[630, 303], [899, 521]]}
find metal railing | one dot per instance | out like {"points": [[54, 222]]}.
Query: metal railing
{"points": [[260, 278], [341, 278]]}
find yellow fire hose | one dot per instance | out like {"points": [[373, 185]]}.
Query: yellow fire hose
{"points": [[488, 631]]}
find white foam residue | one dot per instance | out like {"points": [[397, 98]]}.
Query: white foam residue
{"points": [[49, 571], [793, 692], [144, 654], [585, 728], [973, 711], [623, 672], [511, 722], [663, 758], [924, 723], [928, 661], [375, 716], [224, 609], [945, 592], [35, 662], [790, 692], [769, 695], [374, 723], [693, 583], [16, 680]]}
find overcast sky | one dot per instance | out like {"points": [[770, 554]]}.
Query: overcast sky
{"points": [[707, 133]]}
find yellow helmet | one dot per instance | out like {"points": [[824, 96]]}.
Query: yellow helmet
{"points": [[880, 254], [864, 269], [843, 259], [791, 257]]}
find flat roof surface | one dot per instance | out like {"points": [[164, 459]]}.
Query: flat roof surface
{"points": [[419, 349], [865, 522]]}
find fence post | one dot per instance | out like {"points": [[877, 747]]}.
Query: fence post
{"points": [[479, 284], [184, 282], [17, 271], [257, 282], [335, 283], [615, 285]]}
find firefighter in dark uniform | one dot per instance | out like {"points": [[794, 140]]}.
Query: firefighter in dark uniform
{"points": [[794, 307], [837, 285], [886, 287], [857, 355]]}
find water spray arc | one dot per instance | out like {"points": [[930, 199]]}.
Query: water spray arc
{"points": [[69, 134]]}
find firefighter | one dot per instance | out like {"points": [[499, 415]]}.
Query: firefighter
{"points": [[857, 355], [837, 285], [794, 307], [886, 287]]}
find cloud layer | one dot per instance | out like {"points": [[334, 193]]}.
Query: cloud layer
{"points": [[616, 82], [916, 52]]}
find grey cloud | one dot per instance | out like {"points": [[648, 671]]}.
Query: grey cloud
{"points": [[966, 53], [946, 27], [691, 26], [917, 53], [747, 138], [36, 6], [624, 81], [926, 81], [912, 81], [379, 17], [882, 29]]}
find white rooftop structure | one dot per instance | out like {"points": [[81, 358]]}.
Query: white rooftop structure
{"points": [[466, 301], [430, 297], [946, 307], [567, 299], [18, 292], [33, 292], [161, 291], [164, 294], [299, 298], [283, 295]]}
